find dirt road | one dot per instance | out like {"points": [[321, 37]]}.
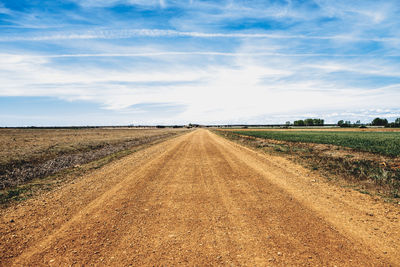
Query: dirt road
{"points": [[201, 200]]}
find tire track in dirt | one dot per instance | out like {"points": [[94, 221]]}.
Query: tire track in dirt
{"points": [[200, 200], [281, 223], [101, 222]]}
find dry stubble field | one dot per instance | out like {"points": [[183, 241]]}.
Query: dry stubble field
{"points": [[29, 155], [25, 144]]}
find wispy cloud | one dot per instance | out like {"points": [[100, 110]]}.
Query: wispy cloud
{"points": [[108, 3], [4, 10], [249, 87], [130, 33], [328, 68]]}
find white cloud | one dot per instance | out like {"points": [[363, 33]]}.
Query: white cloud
{"points": [[243, 89], [163, 3], [107, 3], [368, 67], [4, 10], [130, 33]]}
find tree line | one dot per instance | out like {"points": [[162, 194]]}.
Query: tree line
{"points": [[309, 122], [343, 123], [375, 122]]}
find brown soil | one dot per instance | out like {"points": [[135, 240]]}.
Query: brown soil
{"points": [[26, 154], [199, 199], [25, 144]]}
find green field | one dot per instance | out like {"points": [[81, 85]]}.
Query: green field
{"points": [[385, 143]]}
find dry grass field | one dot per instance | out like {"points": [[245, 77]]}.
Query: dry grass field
{"points": [[28, 154], [27, 144]]}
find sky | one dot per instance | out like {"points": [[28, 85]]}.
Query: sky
{"points": [[123, 62]]}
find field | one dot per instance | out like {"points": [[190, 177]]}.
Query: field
{"points": [[196, 199], [27, 154], [385, 143], [364, 159], [314, 128], [26, 144]]}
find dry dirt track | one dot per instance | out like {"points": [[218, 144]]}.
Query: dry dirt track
{"points": [[201, 200]]}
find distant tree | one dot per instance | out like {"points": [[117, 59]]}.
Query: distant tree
{"points": [[394, 124], [314, 122], [318, 122], [379, 122], [192, 125], [358, 123], [343, 123], [287, 123], [309, 122], [299, 123]]}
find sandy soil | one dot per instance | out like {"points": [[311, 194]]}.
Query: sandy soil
{"points": [[199, 199]]}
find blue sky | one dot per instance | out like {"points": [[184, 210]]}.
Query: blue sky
{"points": [[118, 62]]}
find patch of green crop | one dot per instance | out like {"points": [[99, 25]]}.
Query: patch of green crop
{"points": [[385, 143]]}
